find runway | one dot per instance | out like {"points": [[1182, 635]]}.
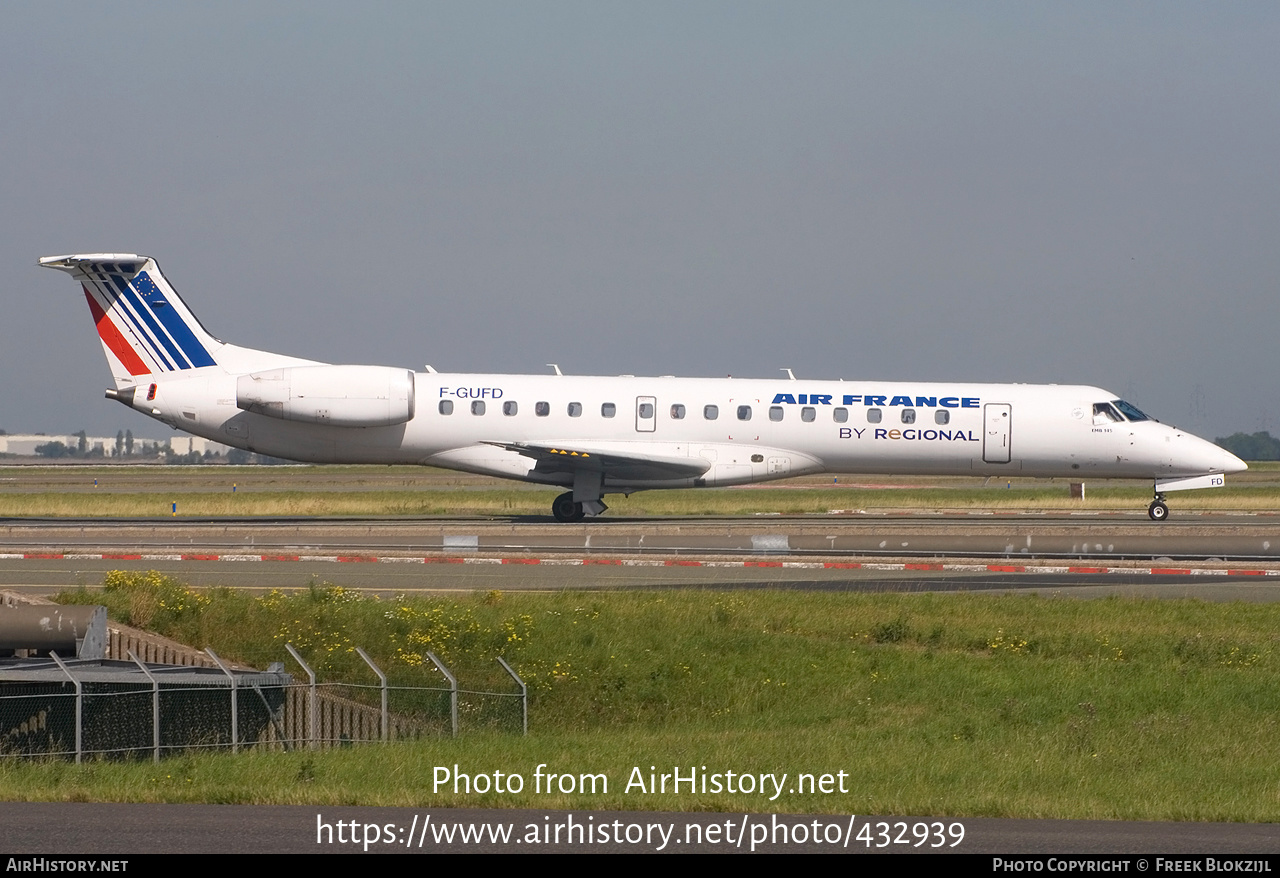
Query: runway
{"points": [[1117, 537], [1212, 557]]}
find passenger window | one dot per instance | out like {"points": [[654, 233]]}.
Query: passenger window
{"points": [[874, 416], [942, 416], [908, 416], [677, 412], [510, 408], [775, 413], [575, 409], [744, 413], [840, 415], [808, 414], [711, 412], [446, 406], [645, 411], [477, 407], [608, 410], [542, 409]]}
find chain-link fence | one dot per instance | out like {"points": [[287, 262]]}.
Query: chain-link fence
{"points": [[107, 709]]}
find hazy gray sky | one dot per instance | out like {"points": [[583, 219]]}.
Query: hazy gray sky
{"points": [[1038, 192]]}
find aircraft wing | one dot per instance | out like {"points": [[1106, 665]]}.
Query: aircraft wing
{"points": [[613, 464]]}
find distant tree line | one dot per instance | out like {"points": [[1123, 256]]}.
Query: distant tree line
{"points": [[80, 449], [1251, 446], [56, 450]]}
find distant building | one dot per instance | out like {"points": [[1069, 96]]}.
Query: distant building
{"points": [[24, 444]]}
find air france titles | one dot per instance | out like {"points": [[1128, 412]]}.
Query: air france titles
{"points": [[875, 400], [871, 400]]}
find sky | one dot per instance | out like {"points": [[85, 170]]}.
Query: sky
{"points": [[991, 192]]}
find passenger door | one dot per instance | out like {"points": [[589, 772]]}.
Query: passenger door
{"points": [[997, 433]]}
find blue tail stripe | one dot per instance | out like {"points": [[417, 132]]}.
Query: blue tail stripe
{"points": [[119, 301], [151, 345], [149, 319], [172, 320], [156, 354]]}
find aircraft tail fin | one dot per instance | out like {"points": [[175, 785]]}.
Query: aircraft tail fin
{"points": [[145, 327]]}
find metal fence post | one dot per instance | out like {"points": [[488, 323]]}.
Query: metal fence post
{"points": [[313, 741], [79, 702], [383, 677], [235, 715], [155, 705], [524, 695], [453, 690]]}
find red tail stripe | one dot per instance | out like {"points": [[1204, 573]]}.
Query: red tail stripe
{"points": [[112, 338]]}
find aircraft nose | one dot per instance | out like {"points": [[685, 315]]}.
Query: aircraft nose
{"points": [[1201, 455], [1231, 463], [1215, 459]]}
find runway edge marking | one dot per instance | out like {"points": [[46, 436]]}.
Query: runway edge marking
{"points": [[904, 566]]}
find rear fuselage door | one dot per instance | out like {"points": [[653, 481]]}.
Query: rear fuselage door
{"points": [[995, 438], [646, 414]]}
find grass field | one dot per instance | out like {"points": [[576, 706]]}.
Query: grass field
{"points": [[107, 491], [931, 704]]}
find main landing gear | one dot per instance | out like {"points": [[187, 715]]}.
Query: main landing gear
{"points": [[585, 499], [565, 510], [1158, 510]]}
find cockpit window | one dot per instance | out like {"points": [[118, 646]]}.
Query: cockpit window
{"points": [[1103, 413], [1130, 410]]}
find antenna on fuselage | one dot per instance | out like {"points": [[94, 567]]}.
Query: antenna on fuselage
{"points": [[430, 368], [790, 374], [557, 368]]}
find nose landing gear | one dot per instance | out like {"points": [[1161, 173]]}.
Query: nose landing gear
{"points": [[1158, 510]]}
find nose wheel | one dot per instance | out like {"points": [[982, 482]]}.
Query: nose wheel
{"points": [[565, 510], [1158, 510]]}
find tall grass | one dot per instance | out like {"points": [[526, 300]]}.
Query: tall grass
{"points": [[523, 501], [936, 704]]}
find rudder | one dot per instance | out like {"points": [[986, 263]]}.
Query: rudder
{"points": [[144, 326]]}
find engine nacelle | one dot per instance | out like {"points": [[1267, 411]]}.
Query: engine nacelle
{"points": [[342, 396]]}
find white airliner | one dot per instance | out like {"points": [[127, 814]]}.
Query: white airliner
{"points": [[601, 435]]}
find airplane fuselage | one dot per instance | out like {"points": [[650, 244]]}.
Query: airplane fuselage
{"points": [[747, 430]]}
